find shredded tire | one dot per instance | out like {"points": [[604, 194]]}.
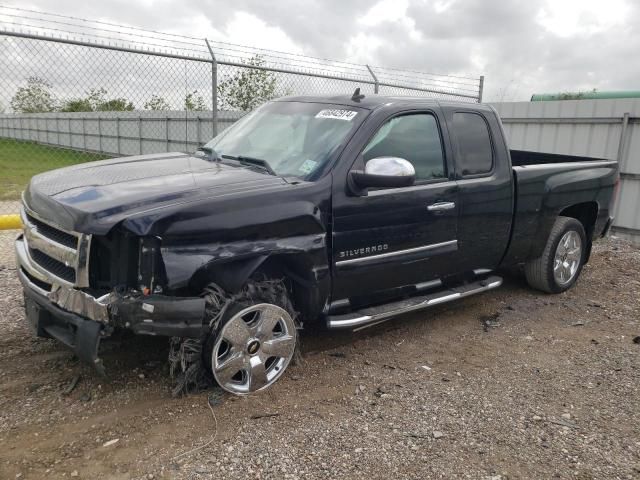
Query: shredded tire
{"points": [[187, 365]]}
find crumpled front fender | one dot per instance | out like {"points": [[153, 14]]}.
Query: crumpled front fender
{"points": [[231, 264]]}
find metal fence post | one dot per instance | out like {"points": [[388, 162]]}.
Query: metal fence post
{"points": [[480, 88], [623, 140], [118, 133], [139, 135], [84, 134], [620, 157], [99, 135], [214, 89], [376, 85], [166, 134]]}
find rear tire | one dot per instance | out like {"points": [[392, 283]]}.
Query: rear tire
{"points": [[562, 259]]}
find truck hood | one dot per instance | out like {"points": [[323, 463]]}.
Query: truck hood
{"points": [[93, 197]]}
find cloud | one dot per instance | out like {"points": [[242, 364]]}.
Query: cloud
{"points": [[521, 46], [248, 29]]}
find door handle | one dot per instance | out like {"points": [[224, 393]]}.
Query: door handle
{"points": [[440, 206]]}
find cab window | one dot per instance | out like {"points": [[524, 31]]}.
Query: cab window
{"points": [[472, 143], [415, 138]]}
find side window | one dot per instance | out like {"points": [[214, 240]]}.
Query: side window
{"points": [[474, 155], [415, 138]]}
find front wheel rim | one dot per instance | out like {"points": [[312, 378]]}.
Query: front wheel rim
{"points": [[567, 258], [253, 349]]}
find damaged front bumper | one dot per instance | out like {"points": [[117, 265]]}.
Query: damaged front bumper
{"points": [[50, 321], [80, 320]]}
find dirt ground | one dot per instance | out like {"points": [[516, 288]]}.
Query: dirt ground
{"points": [[505, 385]]}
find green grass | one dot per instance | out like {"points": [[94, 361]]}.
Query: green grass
{"points": [[20, 160]]}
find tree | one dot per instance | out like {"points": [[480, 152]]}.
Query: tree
{"points": [[36, 97], [116, 105], [96, 97], [574, 95], [157, 102], [194, 101], [248, 88], [77, 105], [100, 103], [96, 101]]}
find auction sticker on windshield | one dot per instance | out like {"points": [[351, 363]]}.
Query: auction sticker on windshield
{"points": [[337, 114]]}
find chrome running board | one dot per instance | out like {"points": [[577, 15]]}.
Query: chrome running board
{"points": [[372, 315]]}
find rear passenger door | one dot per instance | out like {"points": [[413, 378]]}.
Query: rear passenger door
{"points": [[484, 177], [397, 236]]}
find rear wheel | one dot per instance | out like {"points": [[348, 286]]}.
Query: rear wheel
{"points": [[252, 346], [561, 262]]}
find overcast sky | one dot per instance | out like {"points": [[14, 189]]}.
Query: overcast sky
{"points": [[521, 46]]}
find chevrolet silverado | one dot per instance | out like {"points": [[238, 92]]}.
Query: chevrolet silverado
{"points": [[338, 211]]}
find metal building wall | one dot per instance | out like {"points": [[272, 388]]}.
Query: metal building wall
{"points": [[117, 133], [595, 128]]}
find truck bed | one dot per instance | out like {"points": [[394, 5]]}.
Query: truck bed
{"points": [[543, 183]]}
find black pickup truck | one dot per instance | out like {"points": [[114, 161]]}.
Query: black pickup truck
{"points": [[338, 212]]}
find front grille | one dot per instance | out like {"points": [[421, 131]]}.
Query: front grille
{"points": [[55, 234], [60, 256], [53, 266]]}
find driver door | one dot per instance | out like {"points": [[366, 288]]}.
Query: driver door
{"points": [[398, 236]]}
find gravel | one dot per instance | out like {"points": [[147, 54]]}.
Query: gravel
{"points": [[6, 248], [508, 384]]}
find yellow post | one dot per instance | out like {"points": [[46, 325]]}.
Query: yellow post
{"points": [[10, 222]]}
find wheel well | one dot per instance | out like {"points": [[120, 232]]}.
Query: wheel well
{"points": [[307, 293], [586, 213], [289, 269]]}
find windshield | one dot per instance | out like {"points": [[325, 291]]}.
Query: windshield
{"points": [[294, 138]]}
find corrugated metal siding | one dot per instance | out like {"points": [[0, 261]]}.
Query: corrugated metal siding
{"points": [[584, 127], [117, 133]]}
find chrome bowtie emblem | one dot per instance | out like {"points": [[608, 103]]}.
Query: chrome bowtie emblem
{"points": [[253, 347]]}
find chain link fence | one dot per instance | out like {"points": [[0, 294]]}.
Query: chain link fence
{"points": [[75, 90]]}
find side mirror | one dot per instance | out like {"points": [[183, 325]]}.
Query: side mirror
{"points": [[385, 172]]}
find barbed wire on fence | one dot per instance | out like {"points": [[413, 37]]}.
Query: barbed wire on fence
{"points": [[122, 35], [75, 90]]}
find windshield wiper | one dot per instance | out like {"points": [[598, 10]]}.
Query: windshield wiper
{"points": [[254, 162]]}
